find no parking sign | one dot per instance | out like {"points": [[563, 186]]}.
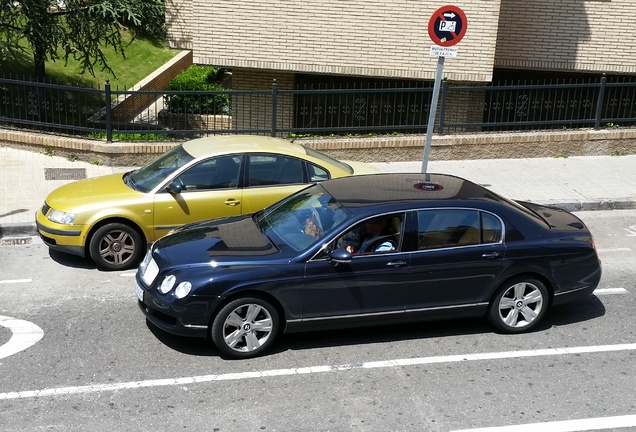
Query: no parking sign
{"points": [[447, 26]]}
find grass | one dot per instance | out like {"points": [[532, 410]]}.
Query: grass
{"points": [[143, 56]]}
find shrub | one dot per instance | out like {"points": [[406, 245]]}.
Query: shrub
{"points": [[199, 78]]}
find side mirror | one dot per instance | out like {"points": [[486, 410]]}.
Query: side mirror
{"points": [[174, 188], [340, 256]]}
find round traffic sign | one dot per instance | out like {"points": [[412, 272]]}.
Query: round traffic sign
{"points": [[447, 25]]}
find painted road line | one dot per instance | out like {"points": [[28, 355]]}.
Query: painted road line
{"points": [[614, 250], [128, 274], [606, 291], [99, 388], [24, 335], [12, 281], [565, 426]]}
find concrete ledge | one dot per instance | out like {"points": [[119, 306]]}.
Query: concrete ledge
{"points": [[366, 149]]}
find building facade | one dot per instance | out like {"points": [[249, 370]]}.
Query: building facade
{"points": [[310, 40]]}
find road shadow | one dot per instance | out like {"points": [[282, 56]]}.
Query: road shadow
{"points": [[73, 261], [186, 345], [582, 310]]}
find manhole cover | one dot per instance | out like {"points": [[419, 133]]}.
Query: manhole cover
{"points": [[64, 173]]}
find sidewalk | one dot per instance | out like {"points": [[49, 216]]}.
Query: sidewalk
{"points": [[574, 183]]}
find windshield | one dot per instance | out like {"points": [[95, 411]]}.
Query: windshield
{"points": [[318, 155], [149, 176], [302, 219]]}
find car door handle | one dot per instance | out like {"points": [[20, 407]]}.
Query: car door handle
{"points": [[232, 202], [490, 255], [396, 263]]}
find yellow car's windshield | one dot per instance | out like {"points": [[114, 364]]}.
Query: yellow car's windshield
{"points": [[149, 176]]}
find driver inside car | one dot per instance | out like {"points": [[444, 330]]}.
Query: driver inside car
{"points": [[375, 238]]}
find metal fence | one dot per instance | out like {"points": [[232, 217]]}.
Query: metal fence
{"points": [[113, 113]]}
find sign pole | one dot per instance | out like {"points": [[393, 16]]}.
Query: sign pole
{"points": [[446, 27], [431, 113]]}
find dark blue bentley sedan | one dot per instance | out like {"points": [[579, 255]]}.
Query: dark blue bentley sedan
{"points": [[366, 250]]}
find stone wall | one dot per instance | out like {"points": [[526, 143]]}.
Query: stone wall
{"points": [[367, 149]]}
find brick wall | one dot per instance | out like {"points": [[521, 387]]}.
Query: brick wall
{"points": [[387, 38], [178, 25], [583, 35], [384, 38], [256, 111]]}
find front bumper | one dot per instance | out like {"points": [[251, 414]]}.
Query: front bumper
{"points": [[185, 317], [69, 239]]}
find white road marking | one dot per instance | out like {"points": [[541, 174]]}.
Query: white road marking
{"points": [[128, 274], [614, 250], [97, 388], [605, 291], [12, 281], [24, 334], [565, 426]]}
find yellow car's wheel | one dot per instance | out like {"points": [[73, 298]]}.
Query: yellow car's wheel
{"points": [[116, 246]]}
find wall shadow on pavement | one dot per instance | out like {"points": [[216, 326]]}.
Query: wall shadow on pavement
{"points": [[12, 212], [582, 310]]}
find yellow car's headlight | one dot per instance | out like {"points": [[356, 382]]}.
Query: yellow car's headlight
{"points": [[61, 217]]}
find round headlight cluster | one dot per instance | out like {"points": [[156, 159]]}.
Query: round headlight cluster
{"points": [[182, 290], [167, 284]]}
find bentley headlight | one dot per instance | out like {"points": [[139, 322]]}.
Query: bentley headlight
{"points": [[167, 284], [61, 217], [183, 289]]}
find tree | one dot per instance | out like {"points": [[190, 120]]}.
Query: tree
{"points": [[78, 29]]}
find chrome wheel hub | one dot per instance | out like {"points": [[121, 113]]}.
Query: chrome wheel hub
{"points": [[520, 305]]}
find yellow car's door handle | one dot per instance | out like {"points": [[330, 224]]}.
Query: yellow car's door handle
{"points": [[232, 202]]}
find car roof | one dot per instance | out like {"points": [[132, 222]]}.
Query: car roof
{"points": [[371, 190], [227, 144]]}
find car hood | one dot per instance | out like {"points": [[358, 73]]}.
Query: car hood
{"points": [[232, 240], [90, 192]]}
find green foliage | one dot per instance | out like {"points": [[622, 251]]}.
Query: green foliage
{"points": [[78, 30], [619, 152], [562, 155], [612, 125], [199, 78], [49, 151], [131, 137], [72, 157]]}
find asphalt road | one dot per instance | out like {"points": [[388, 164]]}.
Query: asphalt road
{"points": [[99, 367]]}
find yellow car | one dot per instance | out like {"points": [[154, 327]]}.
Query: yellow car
{"points": [[113, 218]]}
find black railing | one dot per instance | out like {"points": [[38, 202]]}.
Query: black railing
{"points": [[315, 111]]}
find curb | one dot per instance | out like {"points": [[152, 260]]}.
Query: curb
{"points": [[26, 229]]}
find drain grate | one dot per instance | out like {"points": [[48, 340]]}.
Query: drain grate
{"points": [[64, 173], [15, 241]]}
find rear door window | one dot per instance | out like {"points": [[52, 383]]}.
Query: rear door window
{"points": [[440, 228]]}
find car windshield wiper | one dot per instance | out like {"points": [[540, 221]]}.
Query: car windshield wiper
{"points": [[129, 181]]}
